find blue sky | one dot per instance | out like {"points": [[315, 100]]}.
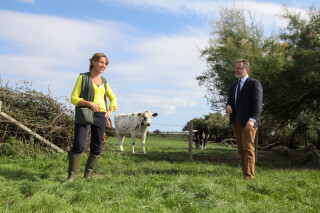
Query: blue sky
{"points": [[152, 45]]}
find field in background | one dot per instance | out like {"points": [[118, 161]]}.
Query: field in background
{"points": [[160, 181]]}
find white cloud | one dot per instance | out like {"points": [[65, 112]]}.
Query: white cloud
{"points": [[159, 73], [203, 7], [27, 1], [146, 72], [161, 99], [51, 44], [169, 60], [53, 50], [56, 36], [269, 12], [162, 76], [207, 8]]}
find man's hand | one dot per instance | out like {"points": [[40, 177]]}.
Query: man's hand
{"points": [[249, 125], [228, 109]]}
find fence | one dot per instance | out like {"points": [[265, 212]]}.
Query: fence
{"points": [[25, 130]]}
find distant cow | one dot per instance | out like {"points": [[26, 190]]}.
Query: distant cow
{"points": [[134, 125], [201, 135]]}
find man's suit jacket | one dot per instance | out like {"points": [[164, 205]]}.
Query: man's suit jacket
{"points": [[249, 104]]}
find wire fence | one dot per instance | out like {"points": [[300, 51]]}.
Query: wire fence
{"points": [[31, 123], [49, 130], [35, 124], [53, 121], [48, 119], [108, 131]]}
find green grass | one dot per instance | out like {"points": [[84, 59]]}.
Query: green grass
{"points": [[160, 181]]}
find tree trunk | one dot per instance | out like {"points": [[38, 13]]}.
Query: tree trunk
{"points": [[291, 144]]}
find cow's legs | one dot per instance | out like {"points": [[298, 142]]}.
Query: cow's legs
{"points": [[197, 142], [143, 140], [120, 141], [203, 141], [133, 137]]}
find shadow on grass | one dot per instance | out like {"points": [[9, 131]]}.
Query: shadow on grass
{"points": [[230, 157], [22, 174], [176, 151]]}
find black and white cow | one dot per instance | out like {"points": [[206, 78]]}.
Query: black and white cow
{"points": [[201, 135], [135, 125]]}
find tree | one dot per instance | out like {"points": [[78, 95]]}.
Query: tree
{"points": [[218, 123], [287, 64], [299, 93], [157, 132], [231, 39], [296, 99]]}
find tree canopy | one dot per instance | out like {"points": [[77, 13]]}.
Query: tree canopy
{"points": [[219, 125], [286, 63]]}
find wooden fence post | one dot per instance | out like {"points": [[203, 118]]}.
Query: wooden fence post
{"points": [[29, 131], [190, 139]]}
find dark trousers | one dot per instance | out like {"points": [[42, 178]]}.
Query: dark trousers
{"points": [[97, 131]]}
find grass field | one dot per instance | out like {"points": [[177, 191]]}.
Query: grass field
{"points": [[160, 181]]}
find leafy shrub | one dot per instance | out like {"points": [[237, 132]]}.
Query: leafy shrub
{"points": [[16, 148], [157, 132], [43, 114]]}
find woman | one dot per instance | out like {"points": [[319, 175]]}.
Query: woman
{"points": [[89, 96]]}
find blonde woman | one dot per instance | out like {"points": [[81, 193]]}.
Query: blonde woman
{"points": [[90, 95]]}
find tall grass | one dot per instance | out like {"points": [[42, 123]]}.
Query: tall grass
{"points": [[160, 181]]}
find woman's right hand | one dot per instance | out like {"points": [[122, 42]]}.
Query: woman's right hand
{"points": [[95, 107]]}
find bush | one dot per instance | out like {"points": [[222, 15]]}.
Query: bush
{"points": [[43, 114], [157, 132], [14, 147]]}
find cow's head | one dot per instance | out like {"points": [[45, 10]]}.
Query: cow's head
{"points": [[147, 117]]}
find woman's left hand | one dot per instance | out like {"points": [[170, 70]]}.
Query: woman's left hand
{"points": [[108, 113]]}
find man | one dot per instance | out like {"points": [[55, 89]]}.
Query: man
{"points": [[244, 106]]}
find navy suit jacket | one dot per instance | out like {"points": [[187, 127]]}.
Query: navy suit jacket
{"points": [[249, 104]]}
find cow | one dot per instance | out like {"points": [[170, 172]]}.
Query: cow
{"points": [[135, 125], [201, 135]]}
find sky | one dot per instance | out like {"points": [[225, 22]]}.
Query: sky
{"points": [[153, 47]]}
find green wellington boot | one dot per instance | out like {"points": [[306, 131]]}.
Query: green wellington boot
{"points": [[91, 164], [74, 162]]}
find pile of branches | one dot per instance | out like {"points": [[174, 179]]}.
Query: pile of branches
{"points": [[50, 117]]}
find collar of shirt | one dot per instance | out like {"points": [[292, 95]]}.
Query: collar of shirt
{"points": [[243, 79]]}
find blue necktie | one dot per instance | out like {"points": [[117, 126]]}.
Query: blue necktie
{"points": [[238, 95], [238, 91]]}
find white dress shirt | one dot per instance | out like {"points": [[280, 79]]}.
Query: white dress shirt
{"points": [[242, 80]]}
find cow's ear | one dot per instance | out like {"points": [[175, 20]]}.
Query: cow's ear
{"points": [[154, 114], [140, 115]]}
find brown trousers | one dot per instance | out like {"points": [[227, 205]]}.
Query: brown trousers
{"points": [[245, 144]]}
